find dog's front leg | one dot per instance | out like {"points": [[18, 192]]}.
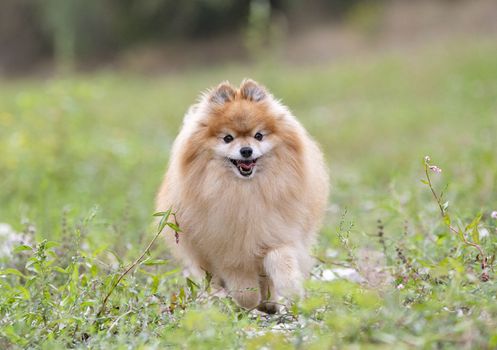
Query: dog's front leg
{"points": [[282, 267]]}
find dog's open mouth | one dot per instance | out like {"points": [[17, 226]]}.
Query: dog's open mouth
{"points": [[245, 167]]}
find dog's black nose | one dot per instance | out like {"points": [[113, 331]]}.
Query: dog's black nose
{"points": [[246, 152]]}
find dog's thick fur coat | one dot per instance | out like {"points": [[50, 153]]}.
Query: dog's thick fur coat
{"points": [[251, 232]]}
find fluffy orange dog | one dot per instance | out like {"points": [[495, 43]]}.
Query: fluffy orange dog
{"points": [[249, 188]]}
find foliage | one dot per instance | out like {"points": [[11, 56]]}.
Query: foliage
{"points": [[87, 31], [82, 158]]}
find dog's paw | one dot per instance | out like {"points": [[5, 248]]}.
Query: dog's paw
{"points": [[268, 307]]}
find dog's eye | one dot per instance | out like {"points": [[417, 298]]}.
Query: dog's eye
{"points": [[228, 138], [258, 136]]}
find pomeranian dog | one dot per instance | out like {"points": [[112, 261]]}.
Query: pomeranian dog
{"points": [[249, 188]]}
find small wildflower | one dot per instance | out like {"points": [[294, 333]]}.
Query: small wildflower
{"points": [[435, 169], [400, 286], [494, 214], [427, 159]]}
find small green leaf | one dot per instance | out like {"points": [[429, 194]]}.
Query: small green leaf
{"points": [[24, 292], [51, 244], [11, 271], [60, 269], [473, 223], [163, 220], [89, 302], [193, 287], [447, 220], [149, 262], [475, 235], [294, 309], [21, 248], [174, 227], [182, 295], [191, 284]]}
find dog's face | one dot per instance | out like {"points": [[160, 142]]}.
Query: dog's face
{"points": [[242, 132], [244, 135]]}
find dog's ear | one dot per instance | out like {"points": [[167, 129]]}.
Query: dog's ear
{"points": [[252, 91], [223, 93]]}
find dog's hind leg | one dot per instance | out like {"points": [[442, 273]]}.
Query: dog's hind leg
{"points": [[268, 295], [243, 287]]}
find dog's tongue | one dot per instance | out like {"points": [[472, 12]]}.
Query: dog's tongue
{"points": [[246, 164]]}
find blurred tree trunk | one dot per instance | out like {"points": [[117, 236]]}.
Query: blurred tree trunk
{"points": [[22, 44], [60, 18]]}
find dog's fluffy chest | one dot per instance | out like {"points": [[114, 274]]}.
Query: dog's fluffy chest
{"points": [[236, 224]]}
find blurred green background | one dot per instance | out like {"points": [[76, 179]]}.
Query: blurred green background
{"points": [[92, 95]]}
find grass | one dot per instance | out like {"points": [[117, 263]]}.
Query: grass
{"points": [[81, 158]]}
